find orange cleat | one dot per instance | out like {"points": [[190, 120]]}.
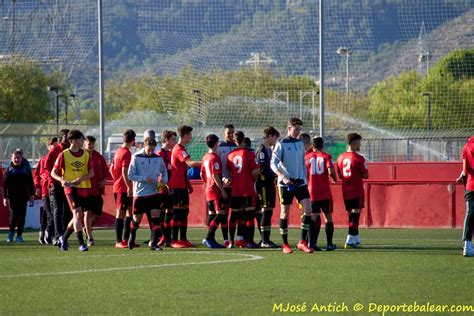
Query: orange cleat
{"points": [[303, 246], [286, 249], [177, 244], [121, 245], [186, 243]]}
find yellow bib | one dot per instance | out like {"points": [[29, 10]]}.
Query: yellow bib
{"points": [[76, 167]]}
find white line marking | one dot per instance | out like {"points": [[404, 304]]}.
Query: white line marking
{"points": [[164, 265], [79, 256]]}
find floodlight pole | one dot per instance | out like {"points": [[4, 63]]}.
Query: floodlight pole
{"points": [[197, 92], [56, 91], [72, 95], [346, 52], [57, 112], [321, 69], [101, 78], [428, 110]]}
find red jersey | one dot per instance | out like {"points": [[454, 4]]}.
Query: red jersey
{"points": [[211, 165], [240, 163], [100, 172], [40, 177], [50, 160], [166, 156], [60, 167], [351, 166], [122, 159], [468, 155], [317, 165], [179, 167]]}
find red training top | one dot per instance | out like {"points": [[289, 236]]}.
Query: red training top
{"points": [[211, 165], [468, 155], [50, 160], [100, 172], [351, 166], [40, 177], [179, 167], [240, 163], [122, 159], [317, 165]]}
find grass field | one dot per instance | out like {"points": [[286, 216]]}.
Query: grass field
{"points": [[394, 267]]}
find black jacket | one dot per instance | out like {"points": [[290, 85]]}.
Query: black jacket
{"points": [[18, 182]]}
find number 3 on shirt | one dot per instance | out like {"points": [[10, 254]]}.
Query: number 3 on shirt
{"points": [[346, 168], [237, 163], [317, 165]]}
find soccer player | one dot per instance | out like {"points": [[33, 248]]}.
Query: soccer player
{"points": [[288, 163], [96, 202], [352, 169], [266, 185], [211, 174], [243, 171], [73, 169], [248, 143], [123, 188], [59, 205], [168, 139], [306, 139], [319, 168], [467, 177], [179, 183], [148, 173], [225, 147], [41, 185]]}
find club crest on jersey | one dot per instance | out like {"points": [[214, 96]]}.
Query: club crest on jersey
{"points": [[185, 154], [77, 164], [216, 166]]}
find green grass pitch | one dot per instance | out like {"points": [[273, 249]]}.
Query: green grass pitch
{"points": [[396, 266]]}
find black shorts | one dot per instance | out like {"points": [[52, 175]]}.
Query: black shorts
{"points": [[323, 205], [228, 190], [215, 205], [123, 201], [355, 203], [180, 197], [143, 205], [75, 200], [266, 195], [95, 204], [167, 201], [468, 196], [287, 194], [242, 202]]}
